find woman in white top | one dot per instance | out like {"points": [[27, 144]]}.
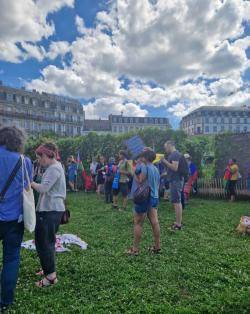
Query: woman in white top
{"points": [[50, 209]]}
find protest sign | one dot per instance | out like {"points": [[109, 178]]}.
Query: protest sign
{"points": [[135, 145]]}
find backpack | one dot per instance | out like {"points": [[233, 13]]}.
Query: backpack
{"points": [[183, 168]]}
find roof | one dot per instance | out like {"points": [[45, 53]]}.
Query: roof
{"points": [[97, 125], [220, 108]]}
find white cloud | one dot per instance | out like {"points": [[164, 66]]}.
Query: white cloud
{"points": [[58, 48], [105, 106], [177, 45], [80, 25], [25, 22]]}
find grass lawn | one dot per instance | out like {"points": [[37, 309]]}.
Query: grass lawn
{"points": [[203, 269]]}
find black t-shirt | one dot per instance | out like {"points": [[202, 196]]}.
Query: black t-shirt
{"points": [[174, 175]]}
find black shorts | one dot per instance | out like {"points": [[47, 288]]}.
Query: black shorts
{"points": [[232, 187], [123, 188]]}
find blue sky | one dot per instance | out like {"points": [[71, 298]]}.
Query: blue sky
{"points": [[143, 58]]}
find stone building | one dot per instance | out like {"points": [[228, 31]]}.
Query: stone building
{"points": [[40, 112], [217, 119], [121, 124], [99, 126]]}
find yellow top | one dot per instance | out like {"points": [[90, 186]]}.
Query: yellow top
{"points": [[234, 172]]}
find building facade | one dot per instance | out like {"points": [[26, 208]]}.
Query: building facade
{"points": [[217, 119], [98, 126], [121, 124], [40, 112]]}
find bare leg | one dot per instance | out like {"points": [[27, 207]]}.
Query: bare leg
{"points": [[138, 223], [153, 218], [72, 185], [115, 200], [178, 213], [124, 202]]}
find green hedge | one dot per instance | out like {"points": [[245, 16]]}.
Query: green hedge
{"points": [[109, 144]]}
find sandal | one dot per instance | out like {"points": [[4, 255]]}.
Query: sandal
{"points": [[132, 252], [153, 250], [46, 282], [40, 273]]}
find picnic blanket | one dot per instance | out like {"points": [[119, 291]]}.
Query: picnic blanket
{"points": [[62, 241]]}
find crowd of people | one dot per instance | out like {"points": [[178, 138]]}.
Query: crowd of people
{"points": [[142, 180]]}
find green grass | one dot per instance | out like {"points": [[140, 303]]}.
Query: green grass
{"points": [[203, 269]]}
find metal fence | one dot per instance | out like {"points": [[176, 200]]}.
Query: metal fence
{"points": [[216, 188]]}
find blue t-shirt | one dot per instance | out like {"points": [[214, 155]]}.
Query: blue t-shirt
{"points": [[11, 208], [72, 170], [153, 178]]}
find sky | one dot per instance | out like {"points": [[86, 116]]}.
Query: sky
{"points": [[140, 57]]}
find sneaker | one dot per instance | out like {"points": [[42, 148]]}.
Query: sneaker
{"points": [[175, 227]]}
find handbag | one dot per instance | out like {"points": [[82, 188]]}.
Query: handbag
{"points": [[65, 217], [142, 192], [29, 210]]}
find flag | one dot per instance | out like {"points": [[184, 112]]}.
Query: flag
{"points": [[78, 159]]}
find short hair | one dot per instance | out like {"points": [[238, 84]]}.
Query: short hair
{"points": [[123, 153], [171, 143], [13, 139], [50, 146], [234, 160], [149, 155]]}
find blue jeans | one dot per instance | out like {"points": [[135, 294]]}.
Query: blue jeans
{"points": [[11, 233]]}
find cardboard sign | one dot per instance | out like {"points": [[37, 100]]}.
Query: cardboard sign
{"points": [[135, 145]]}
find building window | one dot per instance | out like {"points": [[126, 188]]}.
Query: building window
{"points": [[238, 120], [215, 129], [245, 120], [238, 129], [9, 97], [215, 120], [114, 129], [207, 129], [206, 120], [230, 120], [222, 120], [222, 128]]}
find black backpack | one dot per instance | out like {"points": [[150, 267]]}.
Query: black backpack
{"points": [[183, 168]]}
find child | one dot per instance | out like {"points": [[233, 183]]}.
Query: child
{"points": [[147, 172]]}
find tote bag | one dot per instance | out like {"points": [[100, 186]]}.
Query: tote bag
{"points": [[29, 210], [115, 185]]}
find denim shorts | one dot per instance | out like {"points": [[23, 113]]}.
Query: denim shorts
{"points": [[144, 207], [176, 188], [123, 188]]}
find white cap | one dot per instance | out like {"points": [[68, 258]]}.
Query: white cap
{"points": [[187, 156]]}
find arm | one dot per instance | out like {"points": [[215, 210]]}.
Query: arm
{"points": [[48, 181], [171, 165]]}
